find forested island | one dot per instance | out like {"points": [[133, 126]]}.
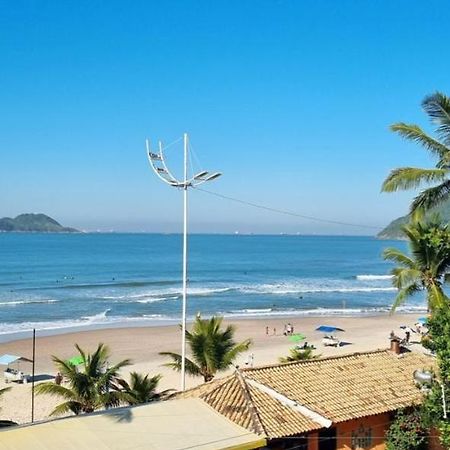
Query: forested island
{"points": [[33, 223]]}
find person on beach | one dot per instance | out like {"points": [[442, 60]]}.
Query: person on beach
{"points": [[274, 331], [288, 329], [407, 336], [58, 378], [267, 331]]}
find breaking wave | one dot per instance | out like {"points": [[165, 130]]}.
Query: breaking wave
{"points": [[156, 299], [89, 321], [97, 317], [373, 277], [27, 302], [321, 312], [304, 289]]}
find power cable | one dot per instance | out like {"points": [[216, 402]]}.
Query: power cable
{"points": [[287, 213]]}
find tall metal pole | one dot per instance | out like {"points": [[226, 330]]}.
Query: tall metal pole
{"points": [[158, 164], [32, 375], [185, 216]]}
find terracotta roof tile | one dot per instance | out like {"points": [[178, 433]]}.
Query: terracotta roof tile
{"points": [[347, 387], [337, 388]]}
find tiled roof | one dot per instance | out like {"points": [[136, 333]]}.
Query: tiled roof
{"points": [[348, 387], [287, 399], [251, 408]]}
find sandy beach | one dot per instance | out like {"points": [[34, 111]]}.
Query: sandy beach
{"points": [[142, 345]]}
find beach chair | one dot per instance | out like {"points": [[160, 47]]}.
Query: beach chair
{"points": [[331, 341]]}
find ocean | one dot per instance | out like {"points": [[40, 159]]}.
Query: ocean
{"points": [[57, 282]]}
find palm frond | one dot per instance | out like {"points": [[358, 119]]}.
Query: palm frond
{"points": [[396, 255], [411, 178], [437, 106], [191, 367], [213, 348], [430, 198], [444, 163], [141, 388], [92, 386], [404, 277], [436, 297], [232, 354], [66, 407], [296, 354], [51, 388], [416, 134], [404, 294]]}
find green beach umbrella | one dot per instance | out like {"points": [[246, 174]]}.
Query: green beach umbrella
{"points": [[76, 360], [297, 337]]}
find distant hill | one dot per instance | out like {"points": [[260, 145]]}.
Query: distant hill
{"points": [[393, 231], [33, 223]]}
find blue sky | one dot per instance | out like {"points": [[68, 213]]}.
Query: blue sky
{"points": [[291, 100]]}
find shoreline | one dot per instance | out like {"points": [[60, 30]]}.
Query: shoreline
{"points": [[131, 323], [143, 344]]}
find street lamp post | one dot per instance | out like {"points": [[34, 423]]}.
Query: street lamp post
{"points": [[159, 166]]}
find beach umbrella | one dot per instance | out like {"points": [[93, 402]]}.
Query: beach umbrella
{"points": [[75, 360], [422, 320], [297, 337], [328, 329]]}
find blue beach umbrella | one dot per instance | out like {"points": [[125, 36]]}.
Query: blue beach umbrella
{"points": [[328, 329], [422, 320]]}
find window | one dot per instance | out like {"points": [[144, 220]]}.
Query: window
{"points": [[327, 439]]}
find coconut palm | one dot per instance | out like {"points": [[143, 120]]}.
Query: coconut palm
{"points": [[92, 385], [141, 389], [296, 354], [428, 265], [437, 106], [212, 348]]}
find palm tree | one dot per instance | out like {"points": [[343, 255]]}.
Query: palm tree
{"points": [[427, 268], [296, 354], [141, 389], [93, 387], [213, 349], [437, 106]]}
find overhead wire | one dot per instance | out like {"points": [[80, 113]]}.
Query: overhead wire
{"points": [[192, 153], [285, 212], [165, 147]]}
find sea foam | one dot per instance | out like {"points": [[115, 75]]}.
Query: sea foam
{"points": [[373, 277]]}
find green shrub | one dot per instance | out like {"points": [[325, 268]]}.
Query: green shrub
{"points": [[407, 432]]}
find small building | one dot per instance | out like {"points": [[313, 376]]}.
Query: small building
{"points": [[335, 403]]}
